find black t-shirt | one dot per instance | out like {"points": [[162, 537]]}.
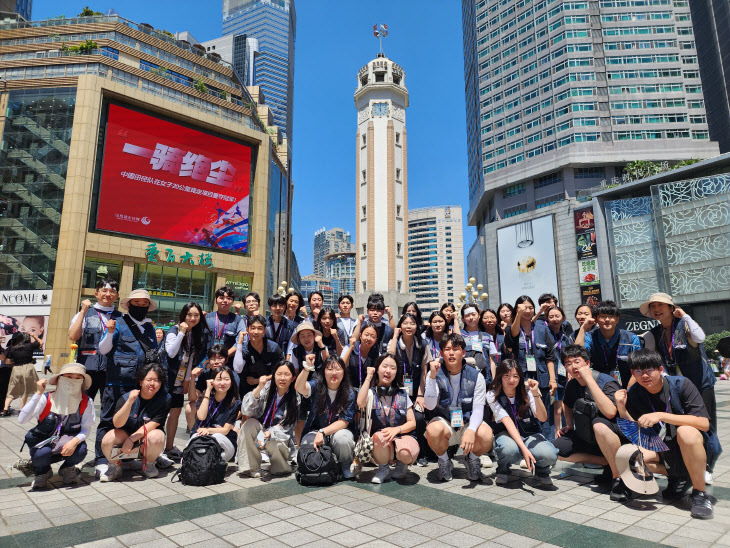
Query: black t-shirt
{"points": [[219, 415], [153, 410], [573, 391], [258, 364], [201, 383]]}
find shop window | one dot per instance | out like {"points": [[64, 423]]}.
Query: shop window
{"points": [[98, 269]]}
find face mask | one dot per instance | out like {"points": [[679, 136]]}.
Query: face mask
{"points": [[138, 312], [66, 398]]}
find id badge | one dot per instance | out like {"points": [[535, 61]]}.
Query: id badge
{"points": [[476, 346], [663, 431], [181, 373], [260, 439], [561, 370], [531, 364], [457, 417], [408, 385], [88, 352]]}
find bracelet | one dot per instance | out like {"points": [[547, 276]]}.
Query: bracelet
{"points": [[309, 368], [206, 396]]}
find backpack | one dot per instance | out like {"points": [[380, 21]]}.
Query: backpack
{"points": [[317, 467], [201, 462]]}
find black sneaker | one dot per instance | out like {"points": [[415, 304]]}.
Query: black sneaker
{"points": [[677, 488], [619, 491], [701, 505], [606, 476]]}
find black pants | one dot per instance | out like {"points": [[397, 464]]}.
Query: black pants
{"points": [[708, 397], [108, 406], [425, 450], [98, 380], [4, 380]]}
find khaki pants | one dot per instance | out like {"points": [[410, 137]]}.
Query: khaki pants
{"points": [[278, 451]]}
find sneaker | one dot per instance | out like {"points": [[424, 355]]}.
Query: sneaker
{"points": [[100, 470], [701, 505], [265, 457], [473, 469], [164, 460], [445, 469], [256, 473], [174, 454], [545, 481], [112, 472], [41, 480], [150, 471], [382, 475], [523, 464], [422, 461], [676, 488], [502, 479], [346, 472], [70, 474], [485, 461], [6, 413], [400, 472], [619, 491], [708, 477]]}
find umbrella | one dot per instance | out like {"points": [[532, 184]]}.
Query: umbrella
{"points": [[643, 437]]}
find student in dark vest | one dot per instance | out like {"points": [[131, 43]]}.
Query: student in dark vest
{"points": [[393, 422], [185, 346], [679, 340], [517, 407], [456, 393], [673, 407], [139, 418], [489, 324], [88, 327], [294, 303], [345, 321], [66, 413], [307, 340], [520, 336], [218, 411], [479, 345], [581, 313], [259, 355], [333, 338], [252, 305], [408, 308], [316, 302], [545, 302], [333, 408], [224, 325], [608, 346], [375, 311], [413, 357], [124, 344], [589, 400], [268, 435], [550, 338], [360, 355], [278, 327], [434, 333]]}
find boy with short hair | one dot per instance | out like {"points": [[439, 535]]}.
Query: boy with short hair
{"points": [[316, 302], [376, 309], [608, 346], [223, 324], [278, 327], [345, 322]]}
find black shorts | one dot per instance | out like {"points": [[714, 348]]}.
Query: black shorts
{"points": [[673, 461], [177, 401], [570, 443]]}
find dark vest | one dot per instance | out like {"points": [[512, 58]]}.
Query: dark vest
{"points": [[301, 355], [88, 353], [468, 383], [481, 357], [585, 410], [618, 354], [173, 364], [48, 422], [400, 399], [411, 368], [127, 355], [527, 425]]}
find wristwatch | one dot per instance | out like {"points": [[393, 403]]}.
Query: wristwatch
{"points": [[321, 431]]}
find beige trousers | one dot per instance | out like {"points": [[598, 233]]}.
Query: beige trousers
{"points": [[278, 451]]}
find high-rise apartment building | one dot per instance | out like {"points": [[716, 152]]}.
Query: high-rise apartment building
{"points": [[711, 21], [330, 289], [435, 255], [329, 242], [341, 267], [560, 96], [273, 23]]}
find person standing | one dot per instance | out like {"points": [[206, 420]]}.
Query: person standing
{"points": [[23, 376], [225, 325], [345, 322], [278, 327], [259, 353], [88, 327]]}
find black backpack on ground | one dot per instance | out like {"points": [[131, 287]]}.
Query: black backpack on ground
{"points": [[317, 467], [202, 463]]}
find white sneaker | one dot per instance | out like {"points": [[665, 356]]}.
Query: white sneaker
{"points": [[545, 481], [70, 475], [502, 479], [485, 461], [265, 457], [150, 471], [112, 472], [165, 461], [100, 470], [708, 477], [382, 475], [400, 472], [445, 469]]}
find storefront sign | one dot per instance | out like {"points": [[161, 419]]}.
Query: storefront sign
{"points": [[168, 255], [24, 311], [166, 181], [586, 250]]}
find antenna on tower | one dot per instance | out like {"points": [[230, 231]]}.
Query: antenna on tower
{"points": [[380, 31]]}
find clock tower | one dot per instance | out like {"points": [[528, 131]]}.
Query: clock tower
{"points": [[381, 152]]}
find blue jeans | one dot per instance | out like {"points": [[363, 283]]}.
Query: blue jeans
{"points": [[508, 453], [43, 458], [548, 427]]}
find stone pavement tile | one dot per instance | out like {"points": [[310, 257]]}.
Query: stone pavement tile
{"points": [[277, 528], [351, 538], [459, 538], [328, 529], [177, 528], [405, 539], [695, 531], [376, 544], [402, 507], [512, 503], [652, 535], [571, 516], [359, 506], [65, 520], [482, 531], [249, 537], [516, 541], [453, 522], [296, 499], [298, 538], [434, 544], [322, 543], [104, 543], [213, 519], [583, 510], [269, 506], [34, 525], [140, 536], [159, 543], [19, 510], [228, 528], [622, 517], [291, 512], [606, 525], [338, 499], [191, 537], [379, 530], [331, 513], [684, 542], [724, 540], [25, 518], [431, 530], [307, 520], [427, 514], [259, 520], [213, 543], [354, 521], [314, 506], [241, 513], [407, 521]]}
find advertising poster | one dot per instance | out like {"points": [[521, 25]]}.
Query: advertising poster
{"points": [[25, 311], [587, 251], [526, 254], [169, 182]]}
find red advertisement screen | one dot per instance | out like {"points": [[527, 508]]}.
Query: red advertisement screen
{"points": [[166, 181]]}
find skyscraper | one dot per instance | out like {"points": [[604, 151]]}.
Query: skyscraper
{"points": [[273, 23], [435, 255], [381, 152], [328, 242], [560, 97], [19, 7]]}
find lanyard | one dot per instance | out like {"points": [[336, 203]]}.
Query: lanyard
{"points": [[359, 364], [559, 341], [668, 352], [219, 334], [435, 349], [210, 415], [277, 331], [102, 319], [513, 407], [331, 407], [532, 336], [272, 410], [404, 355], [391, 413]]}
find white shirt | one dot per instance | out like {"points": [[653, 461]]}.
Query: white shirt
{"points": [[105, 310], [500, 412], [431, 397], [37, 403]]}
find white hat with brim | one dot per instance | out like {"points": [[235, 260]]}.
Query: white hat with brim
{"points": [[656, 298], [139, 294], [304, 326], [72, 368], [634, 473]]}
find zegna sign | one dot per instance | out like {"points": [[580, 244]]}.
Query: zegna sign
{"points": [[25, 298]]}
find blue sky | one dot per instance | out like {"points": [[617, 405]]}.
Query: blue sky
{"points": [[334, 39]]}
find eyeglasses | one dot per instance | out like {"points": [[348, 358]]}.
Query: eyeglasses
{"points": [[647, 371]]}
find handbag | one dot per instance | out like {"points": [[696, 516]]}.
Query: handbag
{"points": [[151, 355], [364, 445]]}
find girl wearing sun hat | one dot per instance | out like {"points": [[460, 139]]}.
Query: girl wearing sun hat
{"points": [[64, 422]]}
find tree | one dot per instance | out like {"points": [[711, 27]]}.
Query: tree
{"points": [[200, 86], [88, 12], [711, 343]]}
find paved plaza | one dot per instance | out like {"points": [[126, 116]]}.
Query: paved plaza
{"points": [[419, 511]]}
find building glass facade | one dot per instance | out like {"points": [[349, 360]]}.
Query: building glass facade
{"points": [[279, 228], [330, 289], [341, 267], [33, 162]]}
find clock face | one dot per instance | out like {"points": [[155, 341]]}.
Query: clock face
{"points": [[380, 109]]}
